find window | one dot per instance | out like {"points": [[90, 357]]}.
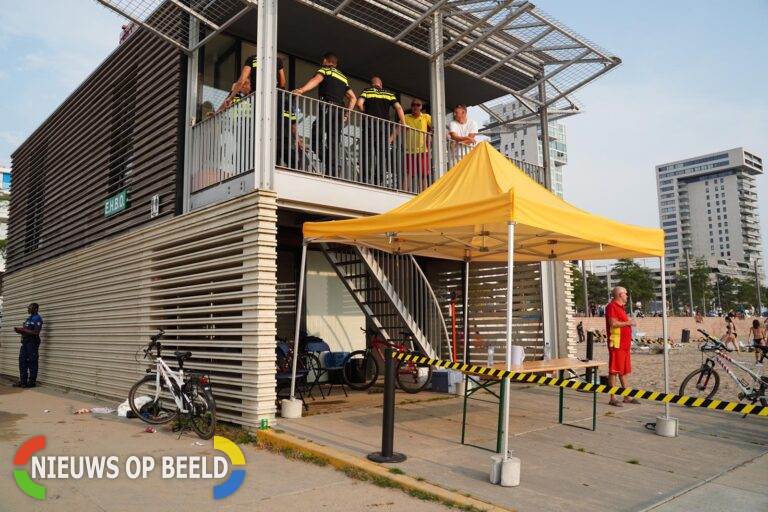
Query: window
{"points": [[525, 131]]}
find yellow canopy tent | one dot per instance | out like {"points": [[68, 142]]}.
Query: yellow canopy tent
{"points": [[486, 209], [465, 215]]}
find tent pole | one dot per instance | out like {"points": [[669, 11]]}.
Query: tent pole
{"points": [[664, 333], [666, 426], [510, 272], [299, 303], [465, 308]]}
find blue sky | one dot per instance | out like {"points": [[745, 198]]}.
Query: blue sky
{"points": [[692, 81]]}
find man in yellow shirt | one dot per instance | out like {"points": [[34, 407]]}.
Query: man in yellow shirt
{"points": [[417, 144]]}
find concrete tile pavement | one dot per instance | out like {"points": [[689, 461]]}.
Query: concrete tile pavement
{"points": [[272, 483], [621, 466]]}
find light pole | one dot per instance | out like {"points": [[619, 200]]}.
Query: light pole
{"points": [[690, 287], [757, 289]]}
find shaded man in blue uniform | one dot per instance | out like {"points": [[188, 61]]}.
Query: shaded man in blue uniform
{"points": [[30, 347]]}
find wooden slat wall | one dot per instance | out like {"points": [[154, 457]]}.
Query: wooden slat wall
{"points": [[124, 116], [207, 278], [487, 308]]}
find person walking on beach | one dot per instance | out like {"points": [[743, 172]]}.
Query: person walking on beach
{"points": [[730, 333], [619, 328], [757, 335]]}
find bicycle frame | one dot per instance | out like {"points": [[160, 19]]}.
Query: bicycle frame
{"points": [[164, 371], [721, 357]]}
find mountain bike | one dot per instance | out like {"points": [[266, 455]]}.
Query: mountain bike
{"points": [[361, 367], [704, 382], [161, 396]]}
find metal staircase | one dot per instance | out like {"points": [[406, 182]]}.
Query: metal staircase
{"points": [[395, 296]]}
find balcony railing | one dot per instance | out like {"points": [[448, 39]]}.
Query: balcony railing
{"points": [[321, 139]]}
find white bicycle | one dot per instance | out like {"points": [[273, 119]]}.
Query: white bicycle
{"points": [[705, 381], [161, 396]]}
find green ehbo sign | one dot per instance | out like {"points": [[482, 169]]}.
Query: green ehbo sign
{"points": [[116, 204]]}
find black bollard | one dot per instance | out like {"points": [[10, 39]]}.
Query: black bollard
{"points": [[388, 427], [590, 355]]}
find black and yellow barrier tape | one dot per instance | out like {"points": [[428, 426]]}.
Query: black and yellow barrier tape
{"points": [[648, 341], [654, 396]]}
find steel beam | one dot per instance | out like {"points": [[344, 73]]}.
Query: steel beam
{"points": [[437, 98], [266, 94], [419, 20], [472, 28], [517, 52], [511, 17]]}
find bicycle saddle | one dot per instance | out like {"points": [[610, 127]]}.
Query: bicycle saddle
{"points": [[182, 356]]}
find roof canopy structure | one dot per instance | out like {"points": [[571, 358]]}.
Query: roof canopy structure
{"points": [[466, 212], [506, 44]]}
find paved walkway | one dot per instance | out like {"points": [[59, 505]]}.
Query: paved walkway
{"points": [[718, 462], [272, 483]]}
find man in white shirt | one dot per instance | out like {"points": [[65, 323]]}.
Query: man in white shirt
{"points": [[462, 132]]}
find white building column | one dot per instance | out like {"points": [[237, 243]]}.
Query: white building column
{"points": [[437, 97], [266, 95]]}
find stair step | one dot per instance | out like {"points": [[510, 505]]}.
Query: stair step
{"points": [[351, 262], [375, 302], [365, 289], [355, 276]]}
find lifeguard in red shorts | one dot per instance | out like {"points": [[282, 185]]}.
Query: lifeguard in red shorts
{"points": [[619, 329]]}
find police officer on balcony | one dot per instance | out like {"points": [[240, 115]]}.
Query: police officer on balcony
{"points": [[248, 77], [333, 88], [377, 132], [30, 345]]}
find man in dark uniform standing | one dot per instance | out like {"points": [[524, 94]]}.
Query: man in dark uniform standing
{"points": [[377, 135], [30, 345], [333, 88], [248, 77]]}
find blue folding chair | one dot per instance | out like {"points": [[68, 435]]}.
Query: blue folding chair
{"points": [[332, 364]]}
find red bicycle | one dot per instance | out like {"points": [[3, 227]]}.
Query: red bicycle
{"points": [[361, 367]]}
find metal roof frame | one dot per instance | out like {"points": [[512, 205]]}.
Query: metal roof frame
{"points": [[175, 21], [509, 44]]}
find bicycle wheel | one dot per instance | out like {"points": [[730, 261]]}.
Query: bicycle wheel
{"points": [[202, 409], [360, 370], [152, 405], [702, 383], [311, 362], [413, 377]]}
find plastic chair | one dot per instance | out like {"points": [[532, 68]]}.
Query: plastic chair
{"points": [[332, 363], [283, 375]]}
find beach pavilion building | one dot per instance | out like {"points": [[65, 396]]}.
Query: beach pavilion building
{"points": [[137, 206]]}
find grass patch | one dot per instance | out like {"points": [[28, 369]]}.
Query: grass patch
{"points": [[420, 478], [582, 450], [633, 461], [396, 471], [569, 446]]}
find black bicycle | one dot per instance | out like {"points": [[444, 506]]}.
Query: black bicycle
{"points": [[161, 396]]}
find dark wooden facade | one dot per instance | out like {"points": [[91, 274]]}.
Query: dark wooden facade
{"points": [[122, 129]]}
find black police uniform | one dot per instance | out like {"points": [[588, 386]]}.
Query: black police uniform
{"points": [[30, 351], [251, 63], [375, 156], [286, 153], [330, 121]]}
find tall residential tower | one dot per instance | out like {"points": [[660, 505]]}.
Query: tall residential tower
{"points": [[708, 205]]}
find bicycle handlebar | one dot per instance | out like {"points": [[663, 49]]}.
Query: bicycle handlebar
{"points": [[718, 345], [154, 344]]}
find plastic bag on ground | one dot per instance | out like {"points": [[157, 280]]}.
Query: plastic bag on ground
{"points": [[123, 408], [102, 410]]}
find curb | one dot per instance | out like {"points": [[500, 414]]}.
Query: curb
{"points": [[342, 460]]}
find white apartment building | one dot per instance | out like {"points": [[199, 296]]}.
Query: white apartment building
{"points": [[524, 143], [708, 205]]}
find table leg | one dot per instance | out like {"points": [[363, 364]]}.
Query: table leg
{"points": [[594, 402], [464, 414], [560, 412]]}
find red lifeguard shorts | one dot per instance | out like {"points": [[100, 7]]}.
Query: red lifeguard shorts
{"points": [[619, 362]]}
